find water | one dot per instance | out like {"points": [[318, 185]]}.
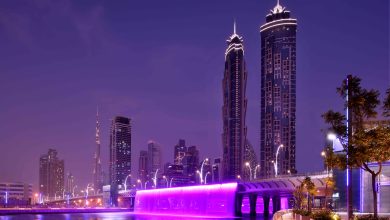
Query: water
{"points": [[107, 216]]}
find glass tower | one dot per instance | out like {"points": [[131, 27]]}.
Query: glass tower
{"points": [[278, 93], [234, 108], [120, 150]]}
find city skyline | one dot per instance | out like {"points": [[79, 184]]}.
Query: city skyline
{"points": [[187, 119]]}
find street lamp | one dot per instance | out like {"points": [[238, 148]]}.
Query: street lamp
{"points": [[257, 167], [276, 160], [201, 170], [86, 193], [239, 177], [140, 182], [205, 178], [74, 187], [165, 178], [126, 181], [323, 154], [247, 164], [170, 183], [155, 179], [146, 182]]}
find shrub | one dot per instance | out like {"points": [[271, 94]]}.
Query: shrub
{"points": [[324, 215], [370, 217]]}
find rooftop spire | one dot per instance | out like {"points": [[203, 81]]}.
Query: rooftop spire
{"points": [[278, 8], [234, 27]]}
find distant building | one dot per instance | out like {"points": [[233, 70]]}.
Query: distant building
{"points": [[120, 150], [143, 171], [234, 108], [217, 170], [251, 158], [191, 163], [154, 158], [15, 194], [278, 92], [51, 175], [180, 151], [69, 184], [98, 178]]}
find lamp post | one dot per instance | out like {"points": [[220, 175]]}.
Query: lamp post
{"points": [[255, 174], [86, 193], [140, 182], [155, 179], [247, 164], [170, 183], [201, 170], [276, 160], [74, 187], [126, 181], [146, 182], [323, 154], [205, 178], [165, 178]]}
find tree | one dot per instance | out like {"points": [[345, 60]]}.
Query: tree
{"points": [[299, 197], [311, 191], [364, 145]]}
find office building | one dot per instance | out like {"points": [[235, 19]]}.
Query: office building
{"points": [[120, 150], [154, 159], [51, 175], [278, 92], [234, 107], [180, 151], [143, 172], [14, 194]]}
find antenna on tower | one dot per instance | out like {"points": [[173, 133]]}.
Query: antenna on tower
{"points": [[234, 27]]}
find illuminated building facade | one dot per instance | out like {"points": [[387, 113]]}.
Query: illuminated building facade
{"points": [[278, 92], [143, 166], [51, 175], [120, 150], [234, 108], [15, 194], [97, 170]]}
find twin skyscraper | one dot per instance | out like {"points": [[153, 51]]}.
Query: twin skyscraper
{"points": [[278, 101]]}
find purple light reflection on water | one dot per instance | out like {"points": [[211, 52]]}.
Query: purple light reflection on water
{"points": [[203, 201]]}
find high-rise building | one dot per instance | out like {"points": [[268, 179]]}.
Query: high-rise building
{"points": [[120, 150], [250, 161], [51, 175], [191, 163], [154, 158], [234, 107], [278, 92], [97, 170], [143, 166], [69, 184], [216, 170], [179, 153]]}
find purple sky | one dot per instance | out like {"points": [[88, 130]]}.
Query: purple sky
{"points": [[161, 63]]}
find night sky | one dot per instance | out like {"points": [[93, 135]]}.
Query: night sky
{"points": [[161, 63]]}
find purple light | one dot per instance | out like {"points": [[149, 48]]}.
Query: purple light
{"points": [[202, 200]]}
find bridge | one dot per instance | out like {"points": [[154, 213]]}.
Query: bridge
{"points": [[226, 200]]}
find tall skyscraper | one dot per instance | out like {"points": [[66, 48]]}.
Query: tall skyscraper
{"points": [[234, 107], [51, 175], [278, 92], [69, 184], [179, 153], [120, 150], [154, 158], [97, 170], [191, 163], [143, 166]]}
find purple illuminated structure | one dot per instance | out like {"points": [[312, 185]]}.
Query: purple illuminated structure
{"points": [[203, 200]]}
